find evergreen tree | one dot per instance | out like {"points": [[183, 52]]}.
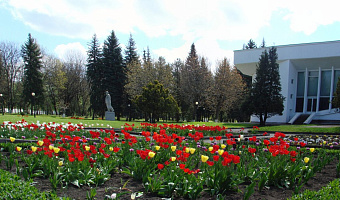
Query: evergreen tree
{"points": [[146, 56], [266, 95], [32, 80], [114, 73], [177, 67], [336, 100], [263, 44], [251, 44], [131, 52], [95, 76], [156, 100], [195, 81]]}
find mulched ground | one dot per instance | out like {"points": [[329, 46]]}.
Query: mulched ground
{"points": [[117, 181]]}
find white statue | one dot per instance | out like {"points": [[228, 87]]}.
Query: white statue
{"points": [[108, 102]]}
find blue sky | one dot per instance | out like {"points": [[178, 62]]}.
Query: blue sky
{"points": [[169, 27]]}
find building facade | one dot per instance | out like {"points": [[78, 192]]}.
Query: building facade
{"points": [[309, 74]]}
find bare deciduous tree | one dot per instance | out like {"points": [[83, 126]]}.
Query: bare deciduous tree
{"points": [[12, 66]]}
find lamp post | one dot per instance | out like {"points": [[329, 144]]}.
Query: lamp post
{"points": [[204, 117], [196, 103], [2, 104], [129, 112], [33, 101]]}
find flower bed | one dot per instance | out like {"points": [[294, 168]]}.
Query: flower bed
{"points": [[166, 164]]}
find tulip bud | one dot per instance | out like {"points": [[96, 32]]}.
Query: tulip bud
{"points": [[204, 158], [40, 143], [34, 149], [306, 159], [173, 148], [56, 150], [12, 139], [151, 154]]}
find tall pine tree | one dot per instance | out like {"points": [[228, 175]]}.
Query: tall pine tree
{"points": [[266, 96], [32, 81], [95, 77], [251, 44], [114, 72], [131, 52], [195, 79]]}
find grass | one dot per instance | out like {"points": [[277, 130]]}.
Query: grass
{"points": [[99, 123], [310, 128], [331, 191], [12, 187], [103, 123]]}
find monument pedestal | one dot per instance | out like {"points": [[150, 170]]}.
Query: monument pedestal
{"points": [[110, 116]]}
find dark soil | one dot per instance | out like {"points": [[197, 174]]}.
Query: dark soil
{"points": [[117, 181]]}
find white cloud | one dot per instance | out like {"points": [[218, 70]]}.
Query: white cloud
{"points": [[208, 48], [63, 51], [306, 16], [204, 22]]}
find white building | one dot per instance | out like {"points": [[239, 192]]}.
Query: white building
{"points": [[309, 74]]}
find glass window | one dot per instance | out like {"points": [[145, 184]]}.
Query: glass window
{"points": [[336, 77], [299, 105], [301, 84], [325, 83], [324, 103], [311, 105], [313, 73], [312, 86]]}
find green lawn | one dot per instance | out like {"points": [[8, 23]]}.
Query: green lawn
{"points": [[104, 123], [117, 124], [310, 128]]}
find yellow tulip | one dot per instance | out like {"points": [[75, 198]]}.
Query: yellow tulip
{"points": [[173, 148], [60, 163], [324, 142], [34, 149], [220, 151], [157, 148], [87, 148], [312, 150], [56, 150], [12, 139], [111, 148], [210, 148], [18, 148], [151, 154], [187, 150], [223, 146], [40, 143], [50, 147], [204, 158], [306, 159], [192, 150], [173, 159]]}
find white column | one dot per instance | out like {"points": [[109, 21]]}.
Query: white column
{"points": [[331, 89], [305, 100], [319, 91]]}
